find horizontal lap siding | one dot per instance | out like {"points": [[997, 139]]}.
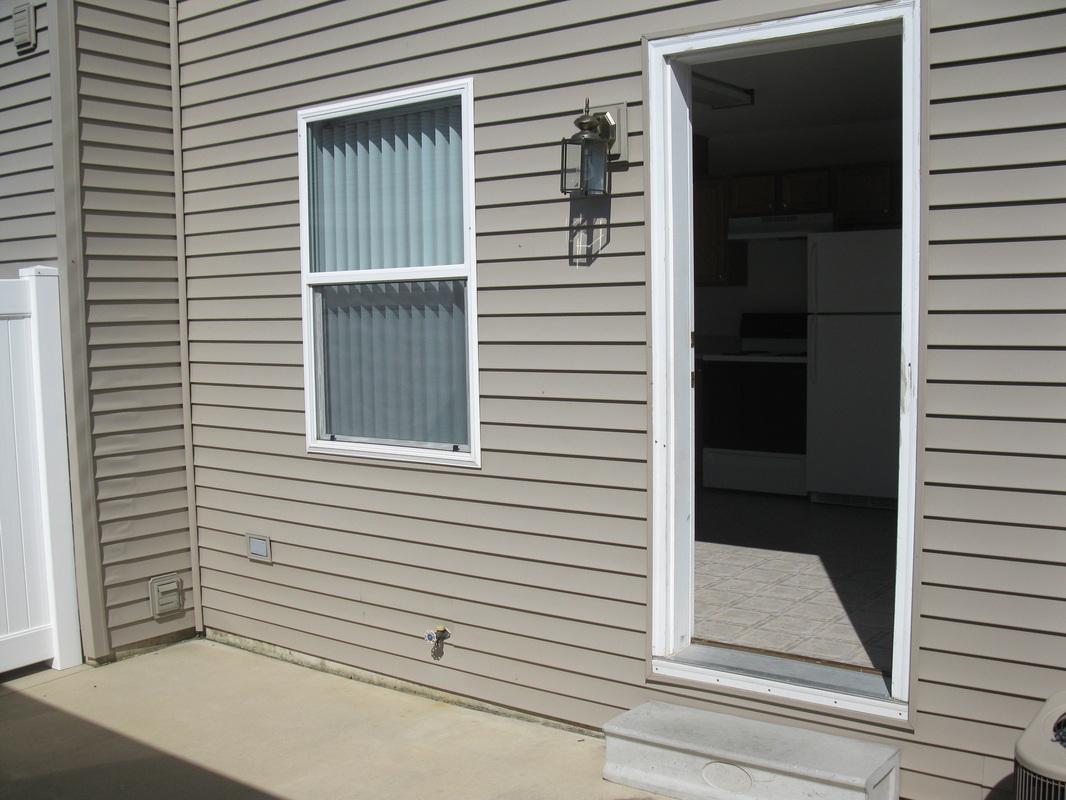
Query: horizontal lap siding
{"points": [[537, 561], [991, 636], [27, 180], [548, 539], [132, 309]]}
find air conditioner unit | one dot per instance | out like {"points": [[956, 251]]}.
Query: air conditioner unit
{"points": [[1040, 755]]}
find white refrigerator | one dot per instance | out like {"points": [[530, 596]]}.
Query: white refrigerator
{"points": [[853, 366]]}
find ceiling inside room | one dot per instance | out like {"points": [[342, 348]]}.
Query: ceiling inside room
{"points": [[834, 103]]}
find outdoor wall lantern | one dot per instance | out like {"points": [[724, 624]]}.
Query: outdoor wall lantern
{"points": [[586, 153]]}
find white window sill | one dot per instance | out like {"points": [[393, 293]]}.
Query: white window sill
{"points": [[417, 455]]}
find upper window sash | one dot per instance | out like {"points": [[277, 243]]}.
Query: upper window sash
{"points": [[386, 188], [382, 104]]}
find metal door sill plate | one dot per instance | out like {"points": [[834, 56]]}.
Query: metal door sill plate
{"points": [[787, 670]]}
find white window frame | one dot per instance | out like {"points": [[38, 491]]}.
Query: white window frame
{"points": [[673, 654], [462, 88]]}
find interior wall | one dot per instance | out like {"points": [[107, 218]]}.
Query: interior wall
{"points": [[776, 281]]}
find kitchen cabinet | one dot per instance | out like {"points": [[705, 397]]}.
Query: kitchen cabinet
{"points": [[716, 260], [867, 195], [752, 195], [799, 192], [804, 192]]}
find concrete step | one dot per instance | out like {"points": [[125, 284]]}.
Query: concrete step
{"points": [[701, 755]]}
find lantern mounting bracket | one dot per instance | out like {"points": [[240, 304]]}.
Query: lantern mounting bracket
{"points": [[615, 129]]}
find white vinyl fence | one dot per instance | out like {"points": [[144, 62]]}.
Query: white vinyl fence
{"points": [[38, 599]]}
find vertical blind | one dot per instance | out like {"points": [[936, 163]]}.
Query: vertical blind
{"points": [[387, 191], [410, 340]]}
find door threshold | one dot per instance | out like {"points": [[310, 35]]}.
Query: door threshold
{"points": [[825, 662], [779, 668]]}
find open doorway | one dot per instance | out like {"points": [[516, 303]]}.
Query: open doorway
{"points": [[796, 312], [783, 199]]}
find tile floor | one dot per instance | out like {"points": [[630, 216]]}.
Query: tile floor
{"points": [[785, 575]]}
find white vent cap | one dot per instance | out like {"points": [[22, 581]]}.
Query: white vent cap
{"points": [[165, 595], [24, 25]]}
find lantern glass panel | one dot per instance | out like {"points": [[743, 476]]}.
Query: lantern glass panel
{"points": [[571, 168], [594, 166]]}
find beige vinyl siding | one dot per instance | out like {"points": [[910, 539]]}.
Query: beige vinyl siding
{"points": [[131, 289], [538, 562], [994, 544], [27, 179]]}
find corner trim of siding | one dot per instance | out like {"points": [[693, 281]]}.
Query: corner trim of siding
{"points": [[183, 314], [88, 558]]}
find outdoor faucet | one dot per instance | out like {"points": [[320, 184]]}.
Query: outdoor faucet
{"points": [[437, 637]]}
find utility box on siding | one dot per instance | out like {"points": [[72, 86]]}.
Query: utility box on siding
{"points": [[700, 755]]}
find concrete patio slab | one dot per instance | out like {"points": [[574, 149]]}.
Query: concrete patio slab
{"points": [[203, 719]]}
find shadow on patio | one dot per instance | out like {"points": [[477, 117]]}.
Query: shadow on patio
{"points": [[47, 754]]}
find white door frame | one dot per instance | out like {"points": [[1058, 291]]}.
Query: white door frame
{"points": [[35, 295], [670, 222]]}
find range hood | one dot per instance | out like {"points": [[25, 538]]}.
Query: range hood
{"points": [[779, 226]]}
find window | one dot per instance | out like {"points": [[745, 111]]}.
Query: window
{"points": [[386, 192]]}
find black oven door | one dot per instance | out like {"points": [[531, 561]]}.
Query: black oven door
{"points": [[756, 406]]}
